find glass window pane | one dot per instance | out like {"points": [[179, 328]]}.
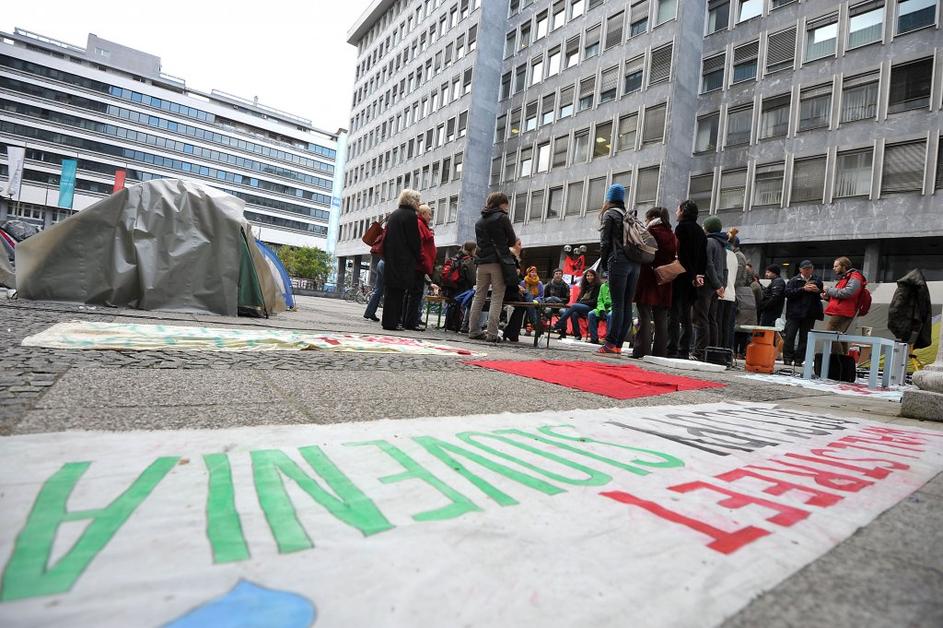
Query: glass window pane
{"points": [[739, 125], [574, 198], [910, 86], [554, 202], [768, 185], [602, 145], [864, 27], [914, 14], [903, 167], [749, 9], [853, 174], [628, 126], [706, 139], [732, 188], [820, 40], [808, 180]]}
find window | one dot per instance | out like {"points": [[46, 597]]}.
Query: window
{"points": [[457, 170], [574, 198], [576, 8], [560, 146], [536, 70], [821, 36], [700, 189], [647, 189], [776, 4], [580, 147], [781, 50], [509, 43], [903, 167], [859, 97], [591, 43], [527, 162], [495, 171], [572, 51], [706, 138], [587, 93], [939, 165], [914, 14], [609, 84], [516, 122], [524, 40], [614, 30], [628, 128], [718, 18], [865, 23], [462, 124], [774, 120], [554, 202], [520, 76], [596, 193], [653, 126], [506, 86], [739, 125], [530, 116], [566, 103], [546, 109], [639, 18], [543, 157], [602, 144], [510, 165], [815, 107], [660, 71], [853, 173], [749, 9], [559, 15], [768, 185], [712, 73], [543, 23], [744, 62], [808, 180], [520, 207], [466, 81], [536, 205], [733, 185], [633, 74], [910, 86], [553, 62], [666, 11]]}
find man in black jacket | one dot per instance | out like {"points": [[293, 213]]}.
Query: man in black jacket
{"points": [[495, 236], [706, 314], [401, 255], [692, 250], [803, 308], [774, 297]]}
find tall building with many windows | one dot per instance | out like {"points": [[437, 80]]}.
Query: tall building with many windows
{"points": [[813, 126], [111, 108]]}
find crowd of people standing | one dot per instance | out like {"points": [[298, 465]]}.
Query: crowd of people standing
{"points": [[692, 285]]}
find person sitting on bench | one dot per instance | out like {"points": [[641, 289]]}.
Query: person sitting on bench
{"points": [[585, 303]]}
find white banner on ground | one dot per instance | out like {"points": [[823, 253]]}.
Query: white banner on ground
{"points": [[16, 156], [663, 516]]}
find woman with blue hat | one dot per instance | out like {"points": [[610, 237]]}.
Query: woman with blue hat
{"points": [[623, 272]]}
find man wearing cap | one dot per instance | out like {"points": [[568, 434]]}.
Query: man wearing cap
{"points": [[774, 297], [803, 308]]}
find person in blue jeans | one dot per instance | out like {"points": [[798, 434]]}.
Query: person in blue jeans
{"points": [[623, 270], [371, 312], [585, 303], [603, 310]]}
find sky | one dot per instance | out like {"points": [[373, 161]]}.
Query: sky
{"points": [[292, 54]]}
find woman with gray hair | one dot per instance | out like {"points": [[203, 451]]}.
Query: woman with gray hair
{"points": [[401, 252]]}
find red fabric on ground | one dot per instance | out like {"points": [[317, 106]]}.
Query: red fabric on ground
{"points": [[619, 381]]}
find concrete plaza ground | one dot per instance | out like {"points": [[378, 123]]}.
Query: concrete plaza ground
{"points": [[889, 573]]}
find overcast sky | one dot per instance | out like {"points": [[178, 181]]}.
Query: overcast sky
{"points": [[292, 54]]}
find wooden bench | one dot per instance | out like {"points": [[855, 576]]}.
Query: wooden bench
{"points": [[542, 319]]}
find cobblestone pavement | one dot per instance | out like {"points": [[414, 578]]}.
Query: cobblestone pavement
{"points": [[875, 578]]}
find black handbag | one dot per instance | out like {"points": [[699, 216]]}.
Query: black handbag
{"points": [[509, 270]]}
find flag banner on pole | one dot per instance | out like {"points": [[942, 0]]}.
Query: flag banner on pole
{"points": [[15, 158], [67, 183], [120, 174]]}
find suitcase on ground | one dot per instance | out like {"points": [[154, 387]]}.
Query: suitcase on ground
{"points": [[841, 367]]}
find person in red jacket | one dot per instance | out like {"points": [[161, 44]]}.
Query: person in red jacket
{"points": [[424, 267], [843, 298], [654, 301]]}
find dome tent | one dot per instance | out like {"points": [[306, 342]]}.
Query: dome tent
{"points": [[166, 244]]}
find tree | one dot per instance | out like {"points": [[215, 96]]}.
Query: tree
{"points": [[306, 262]]}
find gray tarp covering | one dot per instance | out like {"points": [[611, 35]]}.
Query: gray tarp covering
{"points": [[163, 245]]}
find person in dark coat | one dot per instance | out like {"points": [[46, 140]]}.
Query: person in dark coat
{"points": [[910, 317], [692, 247], [401, 254], [707, 324], [774, 297], [803, 308], [494, 236], [585, 303], [623, 271], [654, 301]]}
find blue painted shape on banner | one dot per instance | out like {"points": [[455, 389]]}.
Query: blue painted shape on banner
{"points": [[248, 605], [67, 182]]}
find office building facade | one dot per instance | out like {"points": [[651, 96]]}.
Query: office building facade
{"points": [[111, 108], [812, 126]]}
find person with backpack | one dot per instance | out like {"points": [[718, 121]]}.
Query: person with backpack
{"points": [[623, 248], [654, 299], [692, 250], [457, 278], [494, 235], [846, 300]]}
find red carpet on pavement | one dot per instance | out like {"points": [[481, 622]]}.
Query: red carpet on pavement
{"points": [[619, 381]]}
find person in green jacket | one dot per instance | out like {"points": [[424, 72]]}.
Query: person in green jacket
{"points": [[603, 310]]}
